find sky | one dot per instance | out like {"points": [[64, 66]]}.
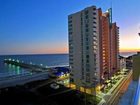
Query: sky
{"points": [[40, 26]]}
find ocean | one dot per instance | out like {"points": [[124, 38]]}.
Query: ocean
{"points": [[41, 59]]}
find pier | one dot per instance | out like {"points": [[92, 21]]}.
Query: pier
{"points": [[39, 72], [35, 68]]}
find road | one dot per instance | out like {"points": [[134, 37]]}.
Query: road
{"points": [[122, 89], [113, 97]]}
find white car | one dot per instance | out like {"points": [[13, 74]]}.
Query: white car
{"points": [[54, 86]]}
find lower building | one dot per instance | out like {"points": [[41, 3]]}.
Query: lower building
{"points": [[122, 63], [136, 66]]}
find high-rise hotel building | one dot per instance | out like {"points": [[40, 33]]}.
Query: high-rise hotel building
{"points": [[93, 48]]}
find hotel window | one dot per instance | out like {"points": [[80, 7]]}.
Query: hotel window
{"points": [[70, 55], [87, 70], [70, 40], [70, 32], [86, 21], [87, 65], [70, 21], [87, 48], [81, 24], [94, 22], [87, 30], [70, 44], [71, 59], [94, 13], [70, 37], [94, 35], [70, 17], [88, 74], [70, 29], [87, 61], [86, 36], [86, 17], [86, 39], [87, 43], [70, 25], [86, 25], [71, 47], [87, 56], [95, 51], [94, 9], [81, 19], [95, 47], [95, 74], [94, 41], [70, 51]]}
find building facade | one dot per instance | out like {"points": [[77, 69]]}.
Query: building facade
{"points": [[93, 48], [122, 63], [136, 66]]}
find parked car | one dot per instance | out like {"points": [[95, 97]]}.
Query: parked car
{"points": [[54, 86]]}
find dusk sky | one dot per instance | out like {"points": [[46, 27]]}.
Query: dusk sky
{"points": [[40, 26]]}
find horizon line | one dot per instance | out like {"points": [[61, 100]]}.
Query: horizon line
{"points": [[32, 54], [57, 53]]}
